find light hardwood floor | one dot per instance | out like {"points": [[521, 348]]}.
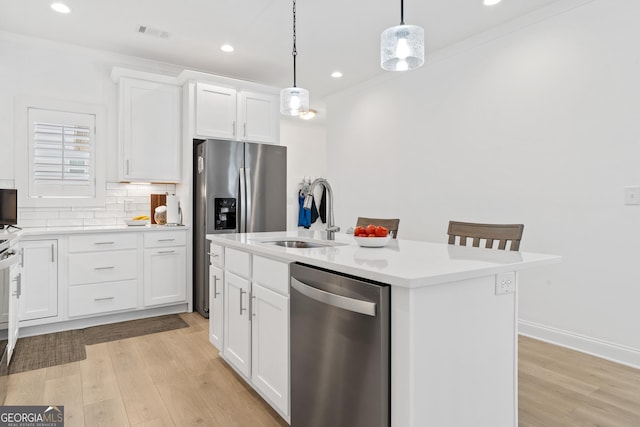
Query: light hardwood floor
{"points": [[559, 387], [173, 378], [176, 378]]}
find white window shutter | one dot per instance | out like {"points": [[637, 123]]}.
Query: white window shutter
{"points": [[62, 153]]}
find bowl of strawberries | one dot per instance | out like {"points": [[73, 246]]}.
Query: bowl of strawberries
{"points": [[371, 236]]}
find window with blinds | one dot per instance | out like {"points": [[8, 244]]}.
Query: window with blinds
{"points": [[61, 154]]}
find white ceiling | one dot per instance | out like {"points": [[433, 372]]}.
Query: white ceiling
{"points": [[332, 34]]}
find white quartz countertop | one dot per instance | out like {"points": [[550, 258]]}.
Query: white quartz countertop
{"points": [[44, 231], [407, 263]]}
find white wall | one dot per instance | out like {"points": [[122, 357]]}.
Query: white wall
{"points": [[306, 144], [539, 126]]}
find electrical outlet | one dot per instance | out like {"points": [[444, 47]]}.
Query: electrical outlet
{"points": [[505, 283], [128, 206], [632, 195]]}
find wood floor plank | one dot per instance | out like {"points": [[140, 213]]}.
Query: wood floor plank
{"points": [[60, 371], [140, 396], [556, 378], [98, 375], [26, 388], [66, 391], [106, 413]]}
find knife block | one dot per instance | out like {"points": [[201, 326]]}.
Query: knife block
{"points": [[156, 200]]}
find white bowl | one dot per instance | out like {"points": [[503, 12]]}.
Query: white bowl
{"points": [[372, 242], [133, 222]]}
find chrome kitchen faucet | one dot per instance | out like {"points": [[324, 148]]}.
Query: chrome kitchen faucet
{"points": [[308, 200]]}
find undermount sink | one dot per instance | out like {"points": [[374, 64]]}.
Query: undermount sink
{"points": [[300, 244]]}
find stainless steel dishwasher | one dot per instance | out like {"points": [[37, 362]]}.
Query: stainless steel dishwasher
{"points": [[340, 350]]}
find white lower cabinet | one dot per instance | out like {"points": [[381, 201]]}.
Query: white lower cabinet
{"points": [[164, 275], [74, 275], [270, 345], [102, 297], [102, 273], [237, 322], [39, 297], [216, 306], [256, 323]]}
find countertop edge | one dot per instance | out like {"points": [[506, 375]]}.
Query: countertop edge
{"points": [[57, 231], [415, 282]]}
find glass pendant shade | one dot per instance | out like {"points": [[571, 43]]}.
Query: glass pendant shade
{"points": [[294, 101], [402, 48]]}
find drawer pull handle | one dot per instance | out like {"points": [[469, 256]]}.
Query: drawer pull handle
{"points": [[213, 255], [166, 252], [166, 240], [103, 268], [104, 299], [215, 286], [104, 243]]}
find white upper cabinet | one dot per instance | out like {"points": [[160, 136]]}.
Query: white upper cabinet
{"points": [[150, 131], [215, 111], [226, 113], [258, 115]]}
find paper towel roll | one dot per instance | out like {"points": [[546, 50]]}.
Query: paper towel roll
{"points": [[173, 211]]}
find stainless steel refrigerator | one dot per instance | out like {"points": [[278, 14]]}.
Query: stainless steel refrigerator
{"points": [[239, 187]]}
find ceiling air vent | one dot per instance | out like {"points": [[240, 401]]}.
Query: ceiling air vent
{"points": [[153, 32]]}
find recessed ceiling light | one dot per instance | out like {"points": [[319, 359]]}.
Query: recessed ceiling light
{"points": [[491, 2], [226, 48], [60, 7], [336, 74], [308, 115]]}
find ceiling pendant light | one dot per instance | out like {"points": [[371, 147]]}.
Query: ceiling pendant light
{"points": [[402, 46], [294, 100]]}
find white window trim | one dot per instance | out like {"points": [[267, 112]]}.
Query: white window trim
{"points": [[22, 159]]}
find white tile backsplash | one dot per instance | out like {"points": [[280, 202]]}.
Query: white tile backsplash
{"points": [[112, 213]]}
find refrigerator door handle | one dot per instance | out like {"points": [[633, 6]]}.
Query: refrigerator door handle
{"points": [[200, 164], [242, 227], [248, 228]]}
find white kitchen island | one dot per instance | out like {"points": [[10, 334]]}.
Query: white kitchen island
{"points": [[453, 321]]}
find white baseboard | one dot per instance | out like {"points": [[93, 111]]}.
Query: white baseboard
{"points": [[593, 346]]}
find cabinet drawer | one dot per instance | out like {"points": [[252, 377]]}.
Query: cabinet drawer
{"points": [[102, 242], [216, 254], [102, 297], [271, 274], [162, 239], [102, 267], [237, 262]]}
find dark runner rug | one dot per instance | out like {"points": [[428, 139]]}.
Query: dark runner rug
{"points": [[44, 351], [132, 328]]}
